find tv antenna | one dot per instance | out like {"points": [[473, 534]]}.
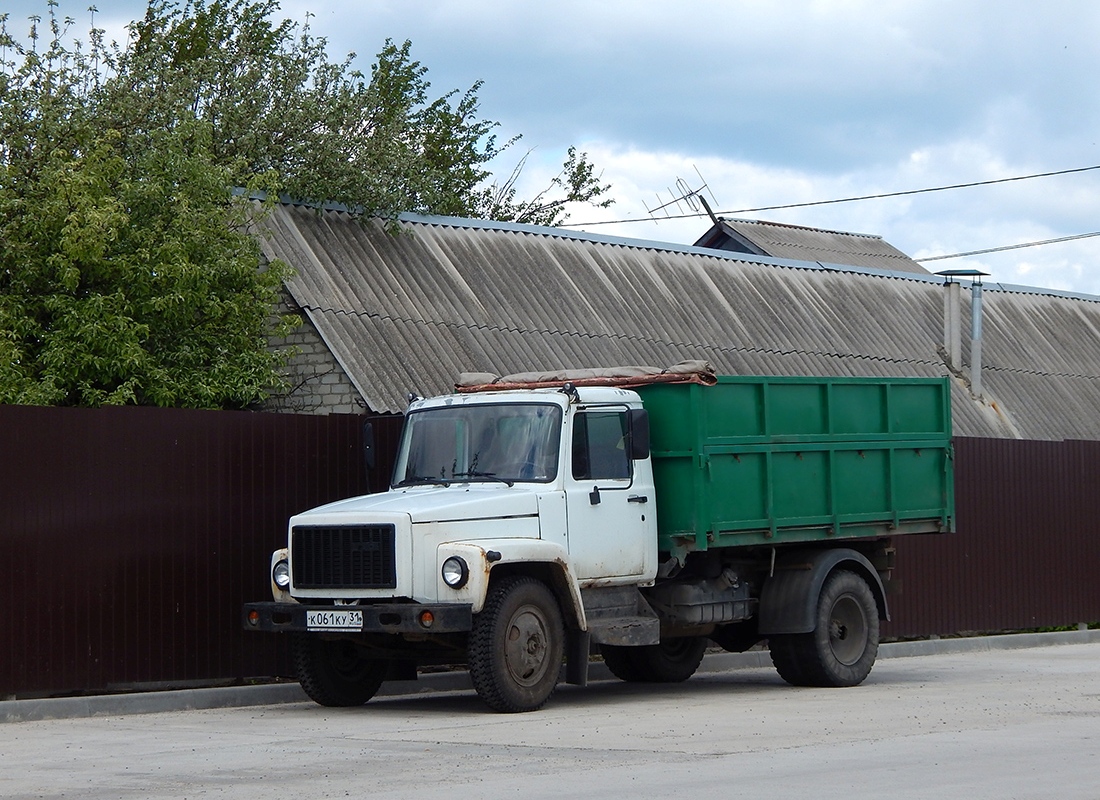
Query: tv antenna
{"points": [[685, 196]]}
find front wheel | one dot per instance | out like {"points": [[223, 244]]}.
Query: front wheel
{"points": [[841, 650], [335, 672], [516, 645]]}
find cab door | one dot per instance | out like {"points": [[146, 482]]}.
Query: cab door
{"points": [[610, 506]]}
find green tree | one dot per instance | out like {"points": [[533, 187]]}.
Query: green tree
{"points": [[379, 143], [126, 271], [576, 183], [127, 274]]}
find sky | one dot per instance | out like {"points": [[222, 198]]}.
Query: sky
{"points": [[775, 103]]}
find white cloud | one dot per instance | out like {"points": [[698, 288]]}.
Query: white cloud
{"points": [[780, 103], [921, 225]]}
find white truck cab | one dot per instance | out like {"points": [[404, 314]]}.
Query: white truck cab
{"points": [[546, 486]]}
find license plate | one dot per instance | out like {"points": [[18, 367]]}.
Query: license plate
{"points": [[343, 620]]}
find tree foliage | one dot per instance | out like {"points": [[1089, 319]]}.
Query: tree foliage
{"points": [[379, 143], [576, 183], [127, 273]]}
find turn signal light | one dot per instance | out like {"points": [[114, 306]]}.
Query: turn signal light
{"points": [[427, 619]]}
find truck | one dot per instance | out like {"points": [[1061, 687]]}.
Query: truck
{"points": [[536, 522]]}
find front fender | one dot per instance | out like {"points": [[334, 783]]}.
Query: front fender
{"points": [[484, 556]]}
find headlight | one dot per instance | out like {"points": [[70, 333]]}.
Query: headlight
{"points": [[280, 573], [455, 572]]}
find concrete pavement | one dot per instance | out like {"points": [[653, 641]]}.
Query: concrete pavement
{"points": [[978, 720], [270, 694]]}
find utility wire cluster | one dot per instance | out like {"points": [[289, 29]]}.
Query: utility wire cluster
{"points": [[881, 196]]}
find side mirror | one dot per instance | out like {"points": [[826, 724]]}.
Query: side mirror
{"points": [[639, 433], [369, 456]]}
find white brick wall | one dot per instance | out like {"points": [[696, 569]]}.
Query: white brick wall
{"points": [[315, 383]]}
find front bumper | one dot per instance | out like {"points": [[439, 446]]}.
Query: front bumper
{"points": [[381, 618]]}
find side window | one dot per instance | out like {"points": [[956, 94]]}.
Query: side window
{"points": [[599, 446]]}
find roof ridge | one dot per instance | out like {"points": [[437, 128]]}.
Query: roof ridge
{"points": [[897, 254], [799, 227]]}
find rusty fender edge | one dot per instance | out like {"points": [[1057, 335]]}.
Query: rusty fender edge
{"points": [[382, 618]]}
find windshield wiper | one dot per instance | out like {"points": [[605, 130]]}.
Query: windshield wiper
{"points": [[416, 480], [490, 475]]}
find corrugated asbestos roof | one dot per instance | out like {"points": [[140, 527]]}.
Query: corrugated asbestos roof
{"points": [[410, 312], [808, 244]]}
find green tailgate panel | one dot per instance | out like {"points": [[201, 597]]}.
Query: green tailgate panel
{"points": [[755, 460]]}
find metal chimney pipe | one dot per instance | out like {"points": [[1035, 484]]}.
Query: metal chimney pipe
{"points": [[976, 337], [952, 336]]}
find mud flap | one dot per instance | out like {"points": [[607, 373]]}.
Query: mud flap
{"points": [[577, 645]]}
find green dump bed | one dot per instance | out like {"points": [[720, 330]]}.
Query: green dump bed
{"points": [[762, 461]]}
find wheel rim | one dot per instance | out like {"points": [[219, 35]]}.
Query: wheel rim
{"points": [[526, 646], [847, 630]]}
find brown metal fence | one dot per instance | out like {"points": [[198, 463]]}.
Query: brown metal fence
{"points": [[1027, 550], [130, 538]]}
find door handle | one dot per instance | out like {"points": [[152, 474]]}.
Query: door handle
{"points": [[637, 498]]}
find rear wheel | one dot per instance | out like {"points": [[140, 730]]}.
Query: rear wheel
{"points": [[670, 661], [516, 645], [841, 650], [336, 672]]}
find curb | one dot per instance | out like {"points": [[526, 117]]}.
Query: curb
{"points": [[431, 683]]}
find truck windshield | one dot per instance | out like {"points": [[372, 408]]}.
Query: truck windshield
{"points": [[463, 443]]}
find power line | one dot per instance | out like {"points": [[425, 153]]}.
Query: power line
{"points": [[1009, 247], [841, 200]]}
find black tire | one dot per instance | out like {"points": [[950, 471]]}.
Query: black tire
{"points": [[516, 645], [624, 662], [842, 648], [787, 657], [335, 672], [671, 661]]}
